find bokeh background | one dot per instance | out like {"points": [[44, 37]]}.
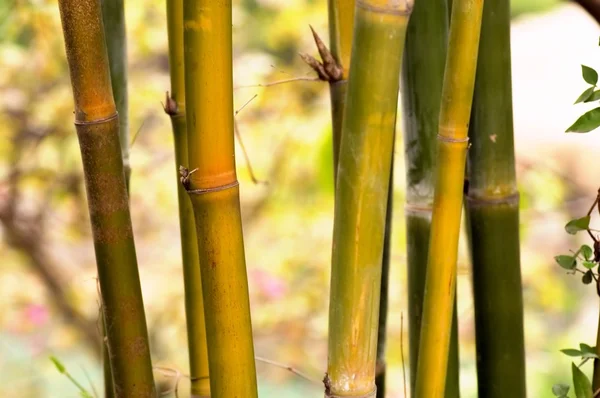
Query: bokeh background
{"points": [[48, 296]]}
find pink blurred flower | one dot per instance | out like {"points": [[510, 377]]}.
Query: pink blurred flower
{"points": [[36, 314], [269, 285]]}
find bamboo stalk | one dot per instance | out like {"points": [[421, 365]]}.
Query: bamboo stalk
{"points": [[440, 281], [214, 191], [194, 306], [492, 205], [423, 75], [113, 16], [362, 186], [341, 25], [97, 126]]}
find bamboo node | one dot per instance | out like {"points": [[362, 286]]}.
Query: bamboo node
{"points": [[452, 139], [394, 7], [97, 121], [213, 189]]}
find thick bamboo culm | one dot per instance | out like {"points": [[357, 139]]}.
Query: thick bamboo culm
{"points": [[113, 16], [214, 192], [97, 126], [492, 208], [440, 281], [422, 80], [194, 306], [365, 161]]}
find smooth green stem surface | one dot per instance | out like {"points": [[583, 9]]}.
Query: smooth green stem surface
{"points": [[498, 300], [361, 197], [194, 305], [492, 206], [113, 15]]}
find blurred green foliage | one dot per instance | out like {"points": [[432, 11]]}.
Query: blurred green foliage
{"points": [[287, 220]]}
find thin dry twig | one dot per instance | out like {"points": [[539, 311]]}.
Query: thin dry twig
{"points": [[278, 82], [246, 157], [291, 369], [245, 104]]}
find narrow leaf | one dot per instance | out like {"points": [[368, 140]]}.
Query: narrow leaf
{"points": [[567, 262], [586, 95], [59, 366], [587, 122], [581, 383], [589, 75], [579, 224], [572, 352]]}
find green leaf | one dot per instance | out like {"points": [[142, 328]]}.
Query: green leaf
{"points": [[572, 352], [587, 277], [587, 252], [578, 224], [589, 75], [567, 262], [586, 95], [581, 383], [587, 122], [59, 366], [587, 348], [589, 264], [595, 97], [560, 390]]}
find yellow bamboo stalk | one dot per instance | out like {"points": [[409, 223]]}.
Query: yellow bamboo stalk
{"points": [[214, 191], [194, 305], [361, 198], [457, 96]]}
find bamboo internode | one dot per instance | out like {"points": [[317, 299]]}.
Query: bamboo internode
{"points": [[97, 126]]}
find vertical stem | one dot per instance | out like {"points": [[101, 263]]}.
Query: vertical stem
{"points": [[113, 16], [423, 75], [492, 205], [440, 283], [596, 375], [97, 126], [194, 306], [214, 192], [365, 160]]}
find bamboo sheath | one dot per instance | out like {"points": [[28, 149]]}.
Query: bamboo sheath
{"points": [[361, 196], [97, 126], [492, 208], [440, 284], [214, 193], [423, 75], [194, 305]]}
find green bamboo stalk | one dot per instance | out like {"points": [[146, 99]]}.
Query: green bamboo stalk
{"points": [[423, 75], [365, 161], [440, 281], [194, 306], [97, 126], [341, 25], [492, 205], [214, 191], [113, 16]]}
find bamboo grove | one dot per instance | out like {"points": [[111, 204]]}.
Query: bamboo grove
{"points": [[449, 63]]}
